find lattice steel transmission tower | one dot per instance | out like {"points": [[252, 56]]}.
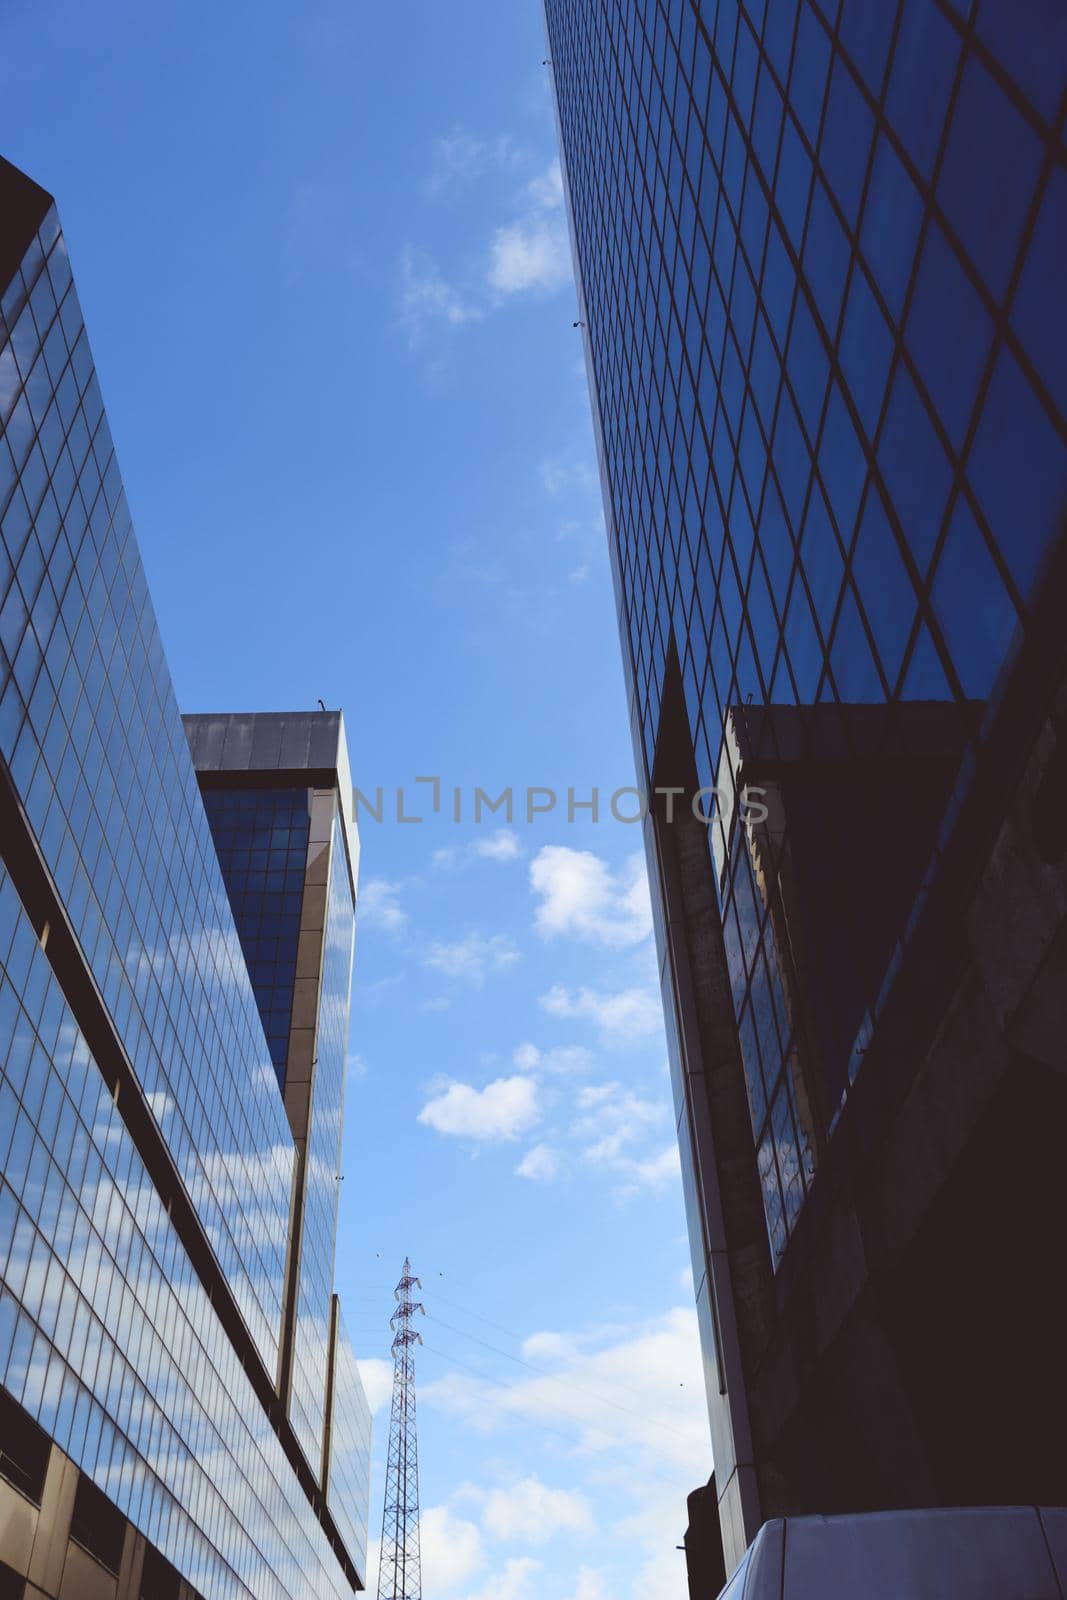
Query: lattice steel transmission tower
{"points": [[400, 1568]]}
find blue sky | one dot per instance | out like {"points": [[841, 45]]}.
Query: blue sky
{"points": [[322, 257]]}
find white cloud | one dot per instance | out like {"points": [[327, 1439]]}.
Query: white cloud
{"points": [[426, 297], [545, 192], [502, 845], [502, 1110], [641, 1391], [530, 254], [591, 1585], [379, 905], [541, 1164], [543, 1348], [511, 1584], [460, 158], [377, 1381], [579, 895], [473, 958], [562, 476], [528, 1512], [655, 1172], [624, 1014], [564, 1060], [451, 1548], [613, 1117], [533, 252], [573, 482], [686, 1279]]}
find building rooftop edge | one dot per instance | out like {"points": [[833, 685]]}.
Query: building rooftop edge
{"points": [[276, 745]]}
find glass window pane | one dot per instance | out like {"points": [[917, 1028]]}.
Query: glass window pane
{"points": [[891, 221], [846, 140], [1037, 313], [1018, 468], [915, 467], [1030, 38], [972, 606], [988, 175], [920, 82], [948, 334], [866, 350], [889, 597]]}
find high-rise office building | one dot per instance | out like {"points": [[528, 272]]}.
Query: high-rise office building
{"points": [[180, 1409], [278, 795], [819, 251]]}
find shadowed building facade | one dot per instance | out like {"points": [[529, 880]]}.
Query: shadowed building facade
{"points": [[151, 1296], [818, 248]]}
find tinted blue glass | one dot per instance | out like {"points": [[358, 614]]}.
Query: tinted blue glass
{"points": [[891, 221], [1037, 310], [1029, 37], [97, 752], [107, 1336], [988, 175], [803, 644], [854, 668], [842, 463], [793, 183], [865, 32], [882, 579], [261, 836], [808, 365], [972, 605], [811, 65], [847, 133], [820, 554], [308, 1396], [1023, 511], [924, 678], [924, 69], [826, 258], [948, 334], [348, 1491], [866, 349], [751, 630], [917, 471]]}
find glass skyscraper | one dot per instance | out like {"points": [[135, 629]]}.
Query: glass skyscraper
{"points": [[819, 247], [173, 1368]]}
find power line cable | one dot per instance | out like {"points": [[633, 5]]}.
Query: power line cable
{"points": [[527, 1421], [564, 1383]]}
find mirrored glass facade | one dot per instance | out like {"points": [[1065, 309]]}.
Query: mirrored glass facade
{"points": [[107, 1337], [261, 836], [92, 738], [348, 1484], [323, 1171], [816, 243], [817, 247], [148, 1161]]}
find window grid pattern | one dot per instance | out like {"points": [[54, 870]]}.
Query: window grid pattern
{"points": [[107, 1337], [261, 836], [91, 734], [348, 1491], [818, 246], [311, 1340]]}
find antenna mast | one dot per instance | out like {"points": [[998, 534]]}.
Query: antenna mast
{"points": [[400, 1567]]}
